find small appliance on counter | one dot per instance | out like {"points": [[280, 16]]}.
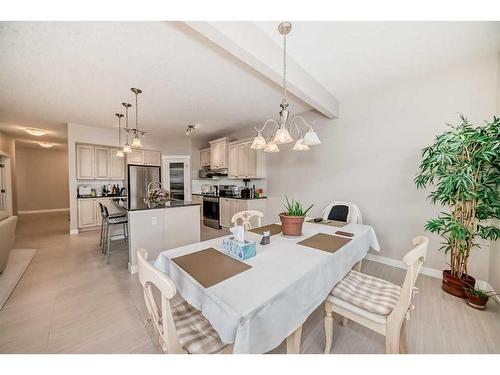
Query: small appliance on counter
{"points": [[206, 189], [84, 191], [227, 191]]}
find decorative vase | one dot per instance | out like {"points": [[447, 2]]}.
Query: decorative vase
{"points": [[291, 225], [455, 286], [476, 302]]}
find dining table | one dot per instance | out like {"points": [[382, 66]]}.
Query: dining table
{"points": [[256, 309]]}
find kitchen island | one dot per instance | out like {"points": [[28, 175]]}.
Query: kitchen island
{"points": [[159, 228]]}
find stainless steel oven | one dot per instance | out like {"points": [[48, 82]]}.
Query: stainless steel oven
{"points": [[211, 212]]}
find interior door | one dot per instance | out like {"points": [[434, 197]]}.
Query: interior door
{"points": [[177, 177], [3, 185]]}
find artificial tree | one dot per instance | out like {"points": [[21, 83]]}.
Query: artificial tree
{"points": [[463, 165]]}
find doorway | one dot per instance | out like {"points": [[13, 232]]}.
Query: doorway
{"points": [[5, 186]]}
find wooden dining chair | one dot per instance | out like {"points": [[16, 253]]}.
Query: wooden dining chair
{"points": [[245, 217], [343, 211], [375, 303], [179, 326]]}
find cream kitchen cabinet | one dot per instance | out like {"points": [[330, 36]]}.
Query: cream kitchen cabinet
{"points": [[101, 155], [135, 157], [152, 157], [95, 162], [218, 153], [198, 199], [205, 157], [145, 157], [87, 213], [244, 162], [116, 165], [229, 206], [84, 162]]}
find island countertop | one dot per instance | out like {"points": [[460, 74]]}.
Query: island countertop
{"points": [[141, 206]]}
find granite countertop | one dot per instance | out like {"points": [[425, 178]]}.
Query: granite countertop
{"points": [[141, 206], [102, 196], [218, 196]]}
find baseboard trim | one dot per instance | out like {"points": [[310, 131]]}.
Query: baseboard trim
{"points": [[43, 211], [74, 231], [432, 272]]}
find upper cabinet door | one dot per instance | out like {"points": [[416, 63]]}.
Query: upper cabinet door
{"points": [[101, 162], [205, 158], [233, 161], [117, 165], [84, 162], [135, 157], [251, 161], [242, 160], [218, 154], [152, 157]]}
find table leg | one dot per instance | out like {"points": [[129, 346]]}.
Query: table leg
{"points": [[293, 341]]}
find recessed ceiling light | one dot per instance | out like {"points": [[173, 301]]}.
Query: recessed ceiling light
{"points": [[35, 131], [191, 129], [46, 144]]}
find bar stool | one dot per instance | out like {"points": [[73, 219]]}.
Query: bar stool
{"points": [[103, 225], [109, 222]]}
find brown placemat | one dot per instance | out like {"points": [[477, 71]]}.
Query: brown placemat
{"points": [[342, 233], [209, 266], [332, 223], [273, 228], [325, 242]]}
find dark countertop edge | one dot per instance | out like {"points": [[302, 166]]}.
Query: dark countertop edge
{"points": [[186, 204], [113, 196], [218, 196]]}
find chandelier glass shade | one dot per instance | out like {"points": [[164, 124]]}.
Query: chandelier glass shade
{"points": [[259, 142], [282, 131]]}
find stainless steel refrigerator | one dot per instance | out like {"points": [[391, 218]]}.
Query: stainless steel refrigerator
{"points": [[139, 177]]}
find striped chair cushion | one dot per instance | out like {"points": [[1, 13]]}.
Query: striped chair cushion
{"points": [[368, 293], [195, 332], [117, 220]]}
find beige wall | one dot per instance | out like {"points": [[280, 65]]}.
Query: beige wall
{"points": [[371, 154], [42, 179], [494, 279]]}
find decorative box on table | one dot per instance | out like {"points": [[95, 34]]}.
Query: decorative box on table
{"points": [[237, 249]]}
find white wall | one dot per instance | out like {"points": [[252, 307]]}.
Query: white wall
{"points": [[42, 178], [371, 154], [105, 136]]}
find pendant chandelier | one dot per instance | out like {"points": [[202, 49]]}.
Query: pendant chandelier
{"points": [[119, 152], [135, 132], [282, 131], [126, 148]]}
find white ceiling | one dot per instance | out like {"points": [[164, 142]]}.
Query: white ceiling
{"points": [[52, 73], [348, 57]]}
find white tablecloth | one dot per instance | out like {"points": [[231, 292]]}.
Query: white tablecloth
{"points": [[257, 309]]}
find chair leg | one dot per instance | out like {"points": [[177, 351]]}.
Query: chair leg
{"points": [[104, 237], [293, 341], [392, 339], [100, 238], [108, 250], [357, 266], [328, 327]]}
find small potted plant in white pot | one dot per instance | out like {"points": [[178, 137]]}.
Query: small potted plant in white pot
{"points": [[293, 218]]}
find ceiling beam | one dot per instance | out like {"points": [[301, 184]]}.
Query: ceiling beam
{"points": [[251, 45]]}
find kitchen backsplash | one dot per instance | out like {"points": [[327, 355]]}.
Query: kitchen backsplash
{"points": [[196, 183], [97, 185]]}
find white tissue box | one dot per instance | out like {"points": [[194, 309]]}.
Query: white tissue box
{"points": [[238, 249]]}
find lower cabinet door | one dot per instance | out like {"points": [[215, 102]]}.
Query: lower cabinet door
{"points": [[86, 213]]}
